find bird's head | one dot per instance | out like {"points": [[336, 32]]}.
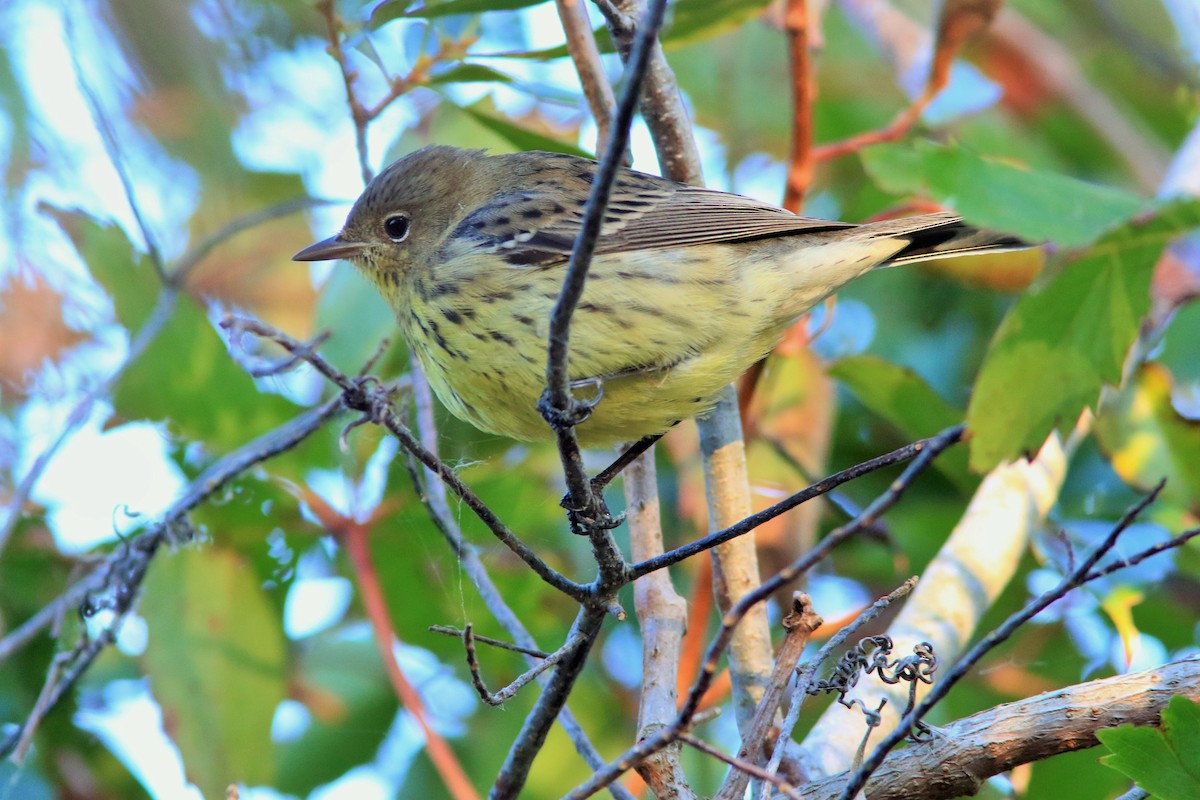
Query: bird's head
{"points": [[399, 221]]}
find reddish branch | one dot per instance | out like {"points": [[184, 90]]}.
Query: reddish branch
{"points": [[355, 536], [800, 166]]}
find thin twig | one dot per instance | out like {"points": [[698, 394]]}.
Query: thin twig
{"points": [[906, 453], [113, 149], [446, 630], [501, 697], [746, 768]]}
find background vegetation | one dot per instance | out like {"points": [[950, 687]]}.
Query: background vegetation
{"points": [[161, 160]]}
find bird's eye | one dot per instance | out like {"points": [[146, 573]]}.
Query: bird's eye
{"points": [[396, 227]]}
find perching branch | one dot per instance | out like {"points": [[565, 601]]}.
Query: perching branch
{"points": [[561, 409]]}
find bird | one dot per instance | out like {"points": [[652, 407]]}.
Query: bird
{"points": [[688, 286]]}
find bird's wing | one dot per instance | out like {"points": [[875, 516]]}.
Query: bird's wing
{"points": [[536, 226]]}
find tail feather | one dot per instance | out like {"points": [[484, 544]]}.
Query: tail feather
{"points": [[942, 236]]}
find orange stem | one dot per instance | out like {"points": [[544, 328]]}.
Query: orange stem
{"points": [[800, 169], [354, 536]]}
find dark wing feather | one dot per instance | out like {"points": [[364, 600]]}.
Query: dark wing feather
{"points": [[537, 226]]}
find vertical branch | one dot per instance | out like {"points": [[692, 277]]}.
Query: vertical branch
{"points": [[581, 44], [727, 485], [558, 405], [800, 166], [735, 563], [661, 613]]}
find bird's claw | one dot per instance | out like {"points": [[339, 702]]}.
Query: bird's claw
{"points": [[578, 411], [595, 516]]}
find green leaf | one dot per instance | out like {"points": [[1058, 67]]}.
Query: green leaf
{"points": [[903, 398], [215, 659], [700, 20], [1063, 341], [1147, 440], [1164, 761], [522, 138], [187, 378], [399, 9], [1039, 206], [689, 22], [356, 318], [342, 682], [123, 272], [469, 73]]}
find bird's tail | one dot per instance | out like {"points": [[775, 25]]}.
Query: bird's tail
{"points": [[940, 235]]}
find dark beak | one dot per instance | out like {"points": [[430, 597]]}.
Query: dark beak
{"points": [[330, 249]]}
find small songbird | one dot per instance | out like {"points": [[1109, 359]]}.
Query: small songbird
{"points": [[688, 286]]}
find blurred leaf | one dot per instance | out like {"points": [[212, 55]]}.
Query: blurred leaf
{"points": [[1039, 206], [522, 138], [1000, 272], [356, 317], [689, 22], [215, 657], [1064, 340], [32, 329], [1163, 761], [470, 73], [903, 398], [399, 9], [1147, 440], [341, 681], [252, 269], [1118, 604], [698, 20], [187, 378], [124, 274]]}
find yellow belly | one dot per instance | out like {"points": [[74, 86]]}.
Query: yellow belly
{"points": [[661, 330]]}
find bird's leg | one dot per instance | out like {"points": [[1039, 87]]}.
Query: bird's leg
{"points": [[606, 475]]}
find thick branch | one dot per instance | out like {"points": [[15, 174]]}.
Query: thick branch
{"points": [[966, 752]]}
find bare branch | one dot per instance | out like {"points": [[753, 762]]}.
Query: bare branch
{"points": [[581, 44], [374, 402], [906, 453], [662, 616], [969, 750]]}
